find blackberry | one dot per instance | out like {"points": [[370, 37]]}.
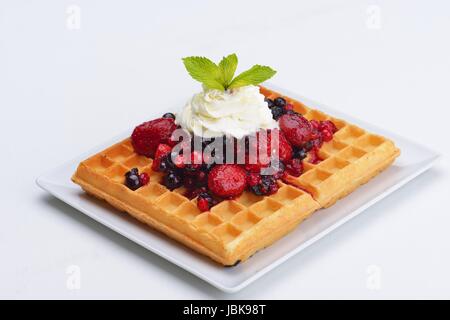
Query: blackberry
{"points": [[277, 112], [270, 102], [299, 153], [172, 180]]}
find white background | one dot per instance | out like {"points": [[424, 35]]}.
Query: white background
{"points": [[63, 91]]}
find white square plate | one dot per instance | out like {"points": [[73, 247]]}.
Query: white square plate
{"points": [[414, 160]]}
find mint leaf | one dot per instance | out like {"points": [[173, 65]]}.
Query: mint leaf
{"points": [[255, 75], [227, 68], [213, 84], [220, 77], [205, 71]]}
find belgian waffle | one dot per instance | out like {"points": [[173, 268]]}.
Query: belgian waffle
{"points": [[234, 230]]}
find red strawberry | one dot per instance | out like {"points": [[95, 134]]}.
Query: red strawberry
{"points": [[296, 128], [161, 151], [284, 147], [227, 180], [149, 135]]}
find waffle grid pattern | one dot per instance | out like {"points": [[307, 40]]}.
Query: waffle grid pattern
{"points": [[234, 229]]}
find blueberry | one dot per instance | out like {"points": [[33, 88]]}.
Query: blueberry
{"points": [[133, 171], [277, 112], [280, 102], [172, 181], [300, 153], [270, 103], [166, 163], [169, 115], [132, 181]]}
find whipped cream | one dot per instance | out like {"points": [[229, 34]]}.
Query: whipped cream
{"points": [[237, 112]]}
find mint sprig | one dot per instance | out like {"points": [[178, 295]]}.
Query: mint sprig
{"points": [[221, 77]]}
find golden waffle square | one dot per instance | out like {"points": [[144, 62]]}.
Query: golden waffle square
{"points": [[234, 230]]}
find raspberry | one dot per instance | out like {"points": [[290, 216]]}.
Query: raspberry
{"points": [[144, 178], [227, 180], [328, 125], [162, 151], [203, 204], [294, 167], [296, 128], [314, 156], [315, 124], [326, 135], [253, 179], [149, 135]]}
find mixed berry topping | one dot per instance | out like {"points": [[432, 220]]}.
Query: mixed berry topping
{"points": [[134, 180], [211, 174]]}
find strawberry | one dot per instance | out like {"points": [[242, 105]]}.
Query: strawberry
{"points": [[147, 136], [296, 128], [227, 180], [161, 152], [284, 147]]}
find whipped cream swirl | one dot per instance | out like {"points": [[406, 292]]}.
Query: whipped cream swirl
{"points": [[237, 112]]}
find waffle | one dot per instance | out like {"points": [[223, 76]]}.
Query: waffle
{"points": [[352, 158], [234, 230]]}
